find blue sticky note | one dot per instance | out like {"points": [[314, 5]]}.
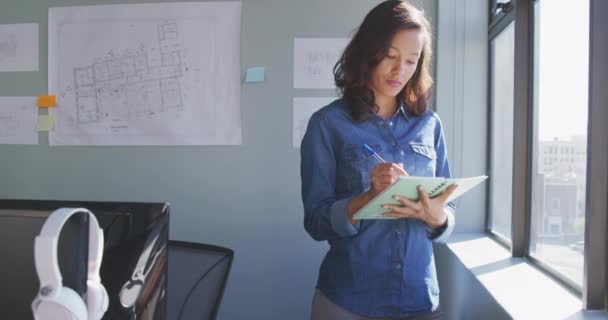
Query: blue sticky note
{"points": [[255, 74]]}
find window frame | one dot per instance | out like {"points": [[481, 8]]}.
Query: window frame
{"points": [[500, 21], [596, 209]]}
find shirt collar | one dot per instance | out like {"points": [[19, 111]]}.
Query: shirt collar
{"points": [[402, 110]]}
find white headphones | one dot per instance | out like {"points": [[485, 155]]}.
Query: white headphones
{"points": [[54, 301]]}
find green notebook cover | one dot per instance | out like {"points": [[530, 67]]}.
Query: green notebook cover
{"points": [[407, 186]]}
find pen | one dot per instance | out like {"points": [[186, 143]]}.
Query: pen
{"points": [[372, 153]]}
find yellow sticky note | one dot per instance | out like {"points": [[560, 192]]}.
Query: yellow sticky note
{"points": [[46, 101], [45, 122]]}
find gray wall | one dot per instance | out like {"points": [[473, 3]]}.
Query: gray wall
{"points": [[462, 99]]}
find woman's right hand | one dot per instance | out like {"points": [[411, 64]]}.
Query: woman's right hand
{"points": [[383, 175]]}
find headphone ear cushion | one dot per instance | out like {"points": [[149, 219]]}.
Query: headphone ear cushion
{"points": [[97, 300], [67, 304], [130, 293]]}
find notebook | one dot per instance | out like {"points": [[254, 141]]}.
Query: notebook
{"points": [[407, 186]]}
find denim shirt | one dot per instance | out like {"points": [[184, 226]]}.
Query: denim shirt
{"points": [[376, 268]]}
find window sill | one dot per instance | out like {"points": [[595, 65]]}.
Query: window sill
{"points": [[521, 289]]}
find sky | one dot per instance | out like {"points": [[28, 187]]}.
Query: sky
{"points": [[563, 68]]}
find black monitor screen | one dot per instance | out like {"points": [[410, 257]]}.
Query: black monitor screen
{"points": [[134, 265]]}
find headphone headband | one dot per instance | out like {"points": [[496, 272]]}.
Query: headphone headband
{"points": [[45, 247]]}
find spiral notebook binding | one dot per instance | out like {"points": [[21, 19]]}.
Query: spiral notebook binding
{"points": [[438, 187]]}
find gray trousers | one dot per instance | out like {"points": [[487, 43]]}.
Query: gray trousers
{"points": [[324, 309]]}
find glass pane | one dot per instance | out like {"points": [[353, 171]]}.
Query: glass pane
{"points": [[561, 59], [501, 154]]}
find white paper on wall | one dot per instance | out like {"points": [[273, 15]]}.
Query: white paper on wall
{"points": [[19, 47], [303, 108], [146, 74], [18, 119], [314, 60]]}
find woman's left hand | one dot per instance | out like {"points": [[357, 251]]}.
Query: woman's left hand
{"points": [[428, 210]]}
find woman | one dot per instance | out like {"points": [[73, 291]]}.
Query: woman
{"points": [[377, 269]]}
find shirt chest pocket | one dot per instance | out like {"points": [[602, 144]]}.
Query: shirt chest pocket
{"points": [[423, 159], [356, 166]]}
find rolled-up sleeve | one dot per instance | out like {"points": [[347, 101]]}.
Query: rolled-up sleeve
{"points": [[325, 216], [443, 170], [443, 233]]}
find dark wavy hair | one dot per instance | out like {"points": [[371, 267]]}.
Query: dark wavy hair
{"points": [[367, 48]]}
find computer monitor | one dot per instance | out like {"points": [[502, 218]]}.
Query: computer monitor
{"points": [[134, 266]]}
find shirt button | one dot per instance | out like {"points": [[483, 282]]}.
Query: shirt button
{"points": [[401, 153], [398, 232], [390, 123], [379, 122], [398, 266]]}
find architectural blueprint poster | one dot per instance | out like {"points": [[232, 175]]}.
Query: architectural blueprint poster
{"points": [[146, 74]]}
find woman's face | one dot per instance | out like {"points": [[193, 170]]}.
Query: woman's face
{"points": [[395, 70]]}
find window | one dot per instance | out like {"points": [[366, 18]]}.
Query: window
{"points": [[548, 132], [561, 107], [555, 205], [501, 124]]}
